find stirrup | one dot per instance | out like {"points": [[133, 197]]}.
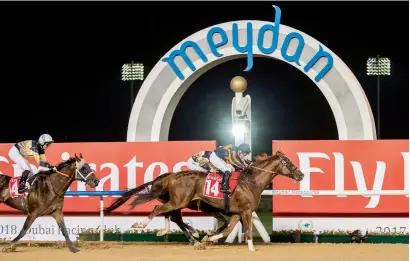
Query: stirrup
{"points": [[22, 187]]}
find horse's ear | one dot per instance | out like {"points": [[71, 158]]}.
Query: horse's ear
{"points": [[76, 158], [280, 153], [81, 155]]}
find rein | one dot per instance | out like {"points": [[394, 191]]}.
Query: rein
{"points": [[68, 176], [263, 170], [61, 173], [52, 187]]}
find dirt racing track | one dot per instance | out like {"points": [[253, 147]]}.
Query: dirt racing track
{"points": [[184, 252]]}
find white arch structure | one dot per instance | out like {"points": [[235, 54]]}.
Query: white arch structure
{"points": [[160, 93]]}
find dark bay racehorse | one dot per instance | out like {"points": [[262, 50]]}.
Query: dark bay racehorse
{"points": [[46, 195], [178, 190]]}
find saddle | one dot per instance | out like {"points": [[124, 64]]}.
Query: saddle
{"points": [[15, 182]]}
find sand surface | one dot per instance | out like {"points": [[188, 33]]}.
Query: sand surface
{"points": [[108, 251]]}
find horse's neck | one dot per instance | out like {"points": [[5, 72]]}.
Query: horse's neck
{"points": [[60, 182], [262, 179]]}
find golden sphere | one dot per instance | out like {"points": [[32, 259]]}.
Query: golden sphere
{"points": [[238, 84]]}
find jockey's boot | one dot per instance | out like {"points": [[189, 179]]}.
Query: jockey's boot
{"points": [[225, 182], [23, 179]]}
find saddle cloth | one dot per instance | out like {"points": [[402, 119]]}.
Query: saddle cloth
{"points": [[213, 183], [15, 182]]}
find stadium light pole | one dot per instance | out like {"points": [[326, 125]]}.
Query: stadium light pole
{"points": [[132, 72], [241, 130], [241, 112], [378, 66]]}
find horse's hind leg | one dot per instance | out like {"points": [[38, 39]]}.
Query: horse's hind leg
{"points": [[176, 217], [160, 209], [220, 217], [232, 222], [31, 217]]}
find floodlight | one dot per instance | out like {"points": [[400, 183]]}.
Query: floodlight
{"points": [[378, 66], [132, 71], [238, 129]]}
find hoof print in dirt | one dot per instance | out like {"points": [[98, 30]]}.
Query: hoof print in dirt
{"points": [[8, 249], [199, 246]]}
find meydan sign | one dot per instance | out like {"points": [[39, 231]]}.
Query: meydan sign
{"points": [[248, 47], [175, 72]]}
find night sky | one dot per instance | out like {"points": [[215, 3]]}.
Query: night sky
{"points": [[61, 68]]}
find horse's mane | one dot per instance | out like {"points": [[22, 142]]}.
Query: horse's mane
{"points": [[65, 164], [264, 157], [43, 176], [260, 159]]}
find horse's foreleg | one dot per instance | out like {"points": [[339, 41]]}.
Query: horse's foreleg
{"points": [[247, 223], [29, 221], [58, 216]]}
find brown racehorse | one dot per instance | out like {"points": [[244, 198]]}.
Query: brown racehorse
{"points": [[46, 195], [184, 187], [141, 195]]}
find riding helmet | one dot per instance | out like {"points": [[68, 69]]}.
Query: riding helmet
{"points": [[45, 138], [245, 148]]}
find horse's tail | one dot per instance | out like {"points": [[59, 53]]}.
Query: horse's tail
{"points": [[142, 194]]}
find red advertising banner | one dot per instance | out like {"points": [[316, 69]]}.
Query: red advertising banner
{"points": [[118, 165], [341, 165]]}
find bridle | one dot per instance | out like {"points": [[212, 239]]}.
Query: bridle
{"points": [[282, 161], [78, 173], [78, 167]]}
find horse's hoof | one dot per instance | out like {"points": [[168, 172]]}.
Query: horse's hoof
{"points": [[210, 233], [199, 246], [74, 250], [205, 239]]}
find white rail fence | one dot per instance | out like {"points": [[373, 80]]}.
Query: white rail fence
{"points": [[237, 231]]}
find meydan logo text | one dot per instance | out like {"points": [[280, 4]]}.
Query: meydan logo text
{"points": [[248, 48]]}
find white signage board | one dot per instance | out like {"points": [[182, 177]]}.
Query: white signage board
{"points": [[320, 224], [46, 228]]}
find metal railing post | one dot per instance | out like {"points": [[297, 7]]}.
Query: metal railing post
{"points": [[167, 227], [101, 218]]}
